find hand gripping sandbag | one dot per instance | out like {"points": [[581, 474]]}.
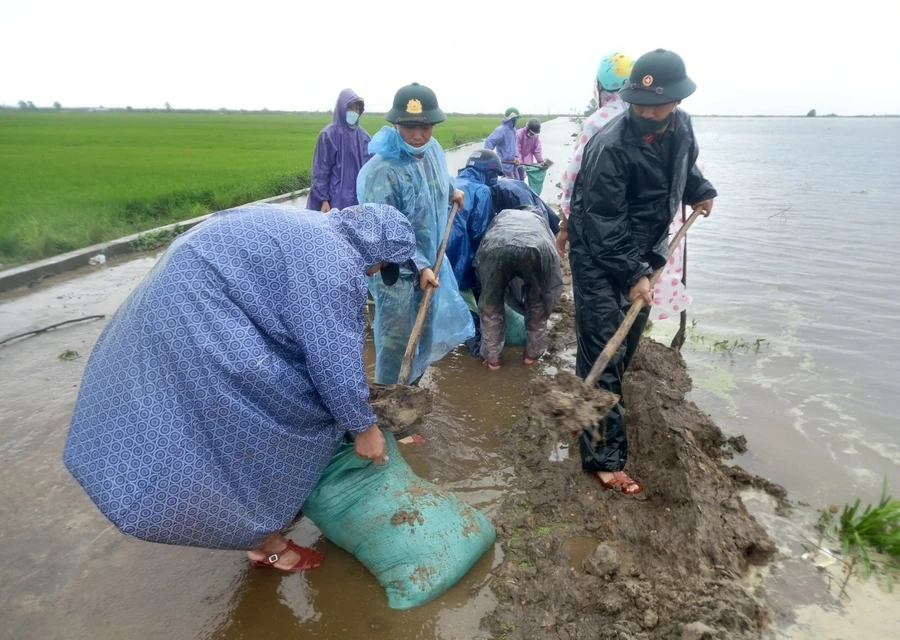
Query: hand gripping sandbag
{"points": [[415, 538]]}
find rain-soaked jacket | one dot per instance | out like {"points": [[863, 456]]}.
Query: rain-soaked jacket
{"points": [[624, 199], [223, 385], [341, 151], [420, 188], [530, 149], [517, 264], [503, 142], [515, 194], [469, 225]]}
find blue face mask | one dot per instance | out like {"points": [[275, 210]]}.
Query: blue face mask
{"points": [[411, 149], [352, 118]]}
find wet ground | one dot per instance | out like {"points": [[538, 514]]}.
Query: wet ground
{"points": [[68, 573]]}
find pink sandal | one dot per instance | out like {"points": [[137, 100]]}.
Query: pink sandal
{"points": [[622, 481], [309, 558]]}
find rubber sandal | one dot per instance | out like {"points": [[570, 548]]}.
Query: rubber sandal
{"points": [[413, 439], [621, 481], [309, 558]]}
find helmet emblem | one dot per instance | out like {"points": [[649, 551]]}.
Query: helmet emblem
{"points": [[647, 81], [414, 107]]}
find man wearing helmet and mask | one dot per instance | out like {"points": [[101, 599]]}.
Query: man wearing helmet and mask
{"points": [[635, 174], [612, 74], [409, 172], [528, 144], [503, 141]]}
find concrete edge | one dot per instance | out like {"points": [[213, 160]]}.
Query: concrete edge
{"points": [[34, 272]]}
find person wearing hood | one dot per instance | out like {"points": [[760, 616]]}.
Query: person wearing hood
{"points": [[341, 151], [636, 173], [528, 143], [486, 195], [409, 171], [476, 180], [224, 384], [503, 141]]}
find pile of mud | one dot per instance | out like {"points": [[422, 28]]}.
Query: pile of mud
{"points": [[667, 564]]}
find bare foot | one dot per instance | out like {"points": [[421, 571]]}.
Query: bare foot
{"points": [[529, 361], [492, 367]]}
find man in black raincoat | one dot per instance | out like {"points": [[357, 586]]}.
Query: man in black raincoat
{"points": [[635, 174]]}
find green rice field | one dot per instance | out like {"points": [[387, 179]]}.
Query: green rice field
{"points": [[73, 178]]}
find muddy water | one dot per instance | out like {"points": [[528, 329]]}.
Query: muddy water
{"points": [[341, 599]]}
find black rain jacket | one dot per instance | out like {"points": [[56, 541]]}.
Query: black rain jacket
{"points": [[626, 196]]}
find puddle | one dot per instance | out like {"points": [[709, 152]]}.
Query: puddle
{"points": [[577, 548]]}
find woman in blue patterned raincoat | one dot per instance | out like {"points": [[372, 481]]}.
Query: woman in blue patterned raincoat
{"points": [[409, 172], [225, 382]]}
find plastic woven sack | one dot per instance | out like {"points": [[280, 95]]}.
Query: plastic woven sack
{"points": [[415, 538], [536, 176], [515, 321]]}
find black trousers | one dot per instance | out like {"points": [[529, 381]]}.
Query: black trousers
{"points": [[600, 307]]}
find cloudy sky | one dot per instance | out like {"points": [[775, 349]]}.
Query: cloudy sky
{"points": [[751, 57]]}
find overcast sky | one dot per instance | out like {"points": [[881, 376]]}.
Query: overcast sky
{"points": [[751, 57]]}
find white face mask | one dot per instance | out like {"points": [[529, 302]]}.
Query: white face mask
{"points": [[352, 118]]}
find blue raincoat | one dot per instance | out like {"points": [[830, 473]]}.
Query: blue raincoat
{"points": [[503, 142], [420, 188], [469, 226], [221, 388], [515, 194], [341, 151]]}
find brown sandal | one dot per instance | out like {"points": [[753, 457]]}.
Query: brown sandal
{"points": [[309, 558], [621, 481]]}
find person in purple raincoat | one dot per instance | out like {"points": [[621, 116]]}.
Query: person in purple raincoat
{"points": [[341, 151], [503, 142]]}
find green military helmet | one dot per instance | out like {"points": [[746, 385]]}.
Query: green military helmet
{"points": [[658, 77], [415, 104], [512, 111]]}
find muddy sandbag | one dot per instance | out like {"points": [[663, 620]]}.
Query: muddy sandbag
{"points": [[515, 321], [415, 538]]}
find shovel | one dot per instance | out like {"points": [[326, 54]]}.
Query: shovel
{"points": [[399, 405], [406, 365], [568, 403]]}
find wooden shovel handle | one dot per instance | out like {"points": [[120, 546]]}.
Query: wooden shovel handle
{"points": [[613, 345], [406, 365]]}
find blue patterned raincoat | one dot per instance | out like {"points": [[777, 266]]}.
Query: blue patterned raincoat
{"points": [[223, 385]]}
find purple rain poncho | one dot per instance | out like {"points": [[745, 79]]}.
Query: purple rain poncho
{"points": [[221, 388], [341, 151], [503, 142]]}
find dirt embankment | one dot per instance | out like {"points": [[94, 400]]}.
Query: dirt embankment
{"points": [[667, 564]]}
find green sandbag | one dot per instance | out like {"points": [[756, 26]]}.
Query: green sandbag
{"points": [[536, 176], [515, 321], [415, 538]]}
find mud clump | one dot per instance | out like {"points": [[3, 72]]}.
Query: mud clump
{"points": [[668, 563], [407, 517], [398, 407], [563, 403]]}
